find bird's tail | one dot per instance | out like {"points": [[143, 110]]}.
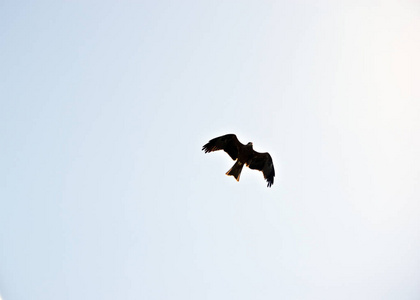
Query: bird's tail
{"points": [[236, 170]]}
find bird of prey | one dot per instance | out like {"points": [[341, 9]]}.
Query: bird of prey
{"points": [[244, 155]]}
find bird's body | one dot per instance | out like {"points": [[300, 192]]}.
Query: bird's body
{"points": [[244, 155]]}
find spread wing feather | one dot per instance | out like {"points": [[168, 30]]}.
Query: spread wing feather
{"points": [[229, 143], [264, 163]]}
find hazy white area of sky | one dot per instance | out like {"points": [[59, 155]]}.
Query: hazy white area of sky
{"points": [[106, 194]]}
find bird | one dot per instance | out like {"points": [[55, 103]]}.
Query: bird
{"points": [[244, 155]]}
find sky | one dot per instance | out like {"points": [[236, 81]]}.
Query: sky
{"points": [[106, 194]]}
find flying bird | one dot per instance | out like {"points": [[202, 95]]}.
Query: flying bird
{"points": [[244, 155]]}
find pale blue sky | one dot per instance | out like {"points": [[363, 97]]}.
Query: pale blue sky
{"points": [[106, 194]]}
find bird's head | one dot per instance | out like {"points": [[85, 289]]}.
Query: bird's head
{"points": [[249, 144]]}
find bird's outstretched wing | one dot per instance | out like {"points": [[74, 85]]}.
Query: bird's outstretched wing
{"points": [[264, 163], [229, 143]]}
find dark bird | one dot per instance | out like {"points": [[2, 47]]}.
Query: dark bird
{"points": [[244, 155]]}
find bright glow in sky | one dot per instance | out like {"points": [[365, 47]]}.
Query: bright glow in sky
{"points": [[106, 194]]}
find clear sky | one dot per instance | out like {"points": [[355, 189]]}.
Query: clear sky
{"points": [[106, 194]]}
